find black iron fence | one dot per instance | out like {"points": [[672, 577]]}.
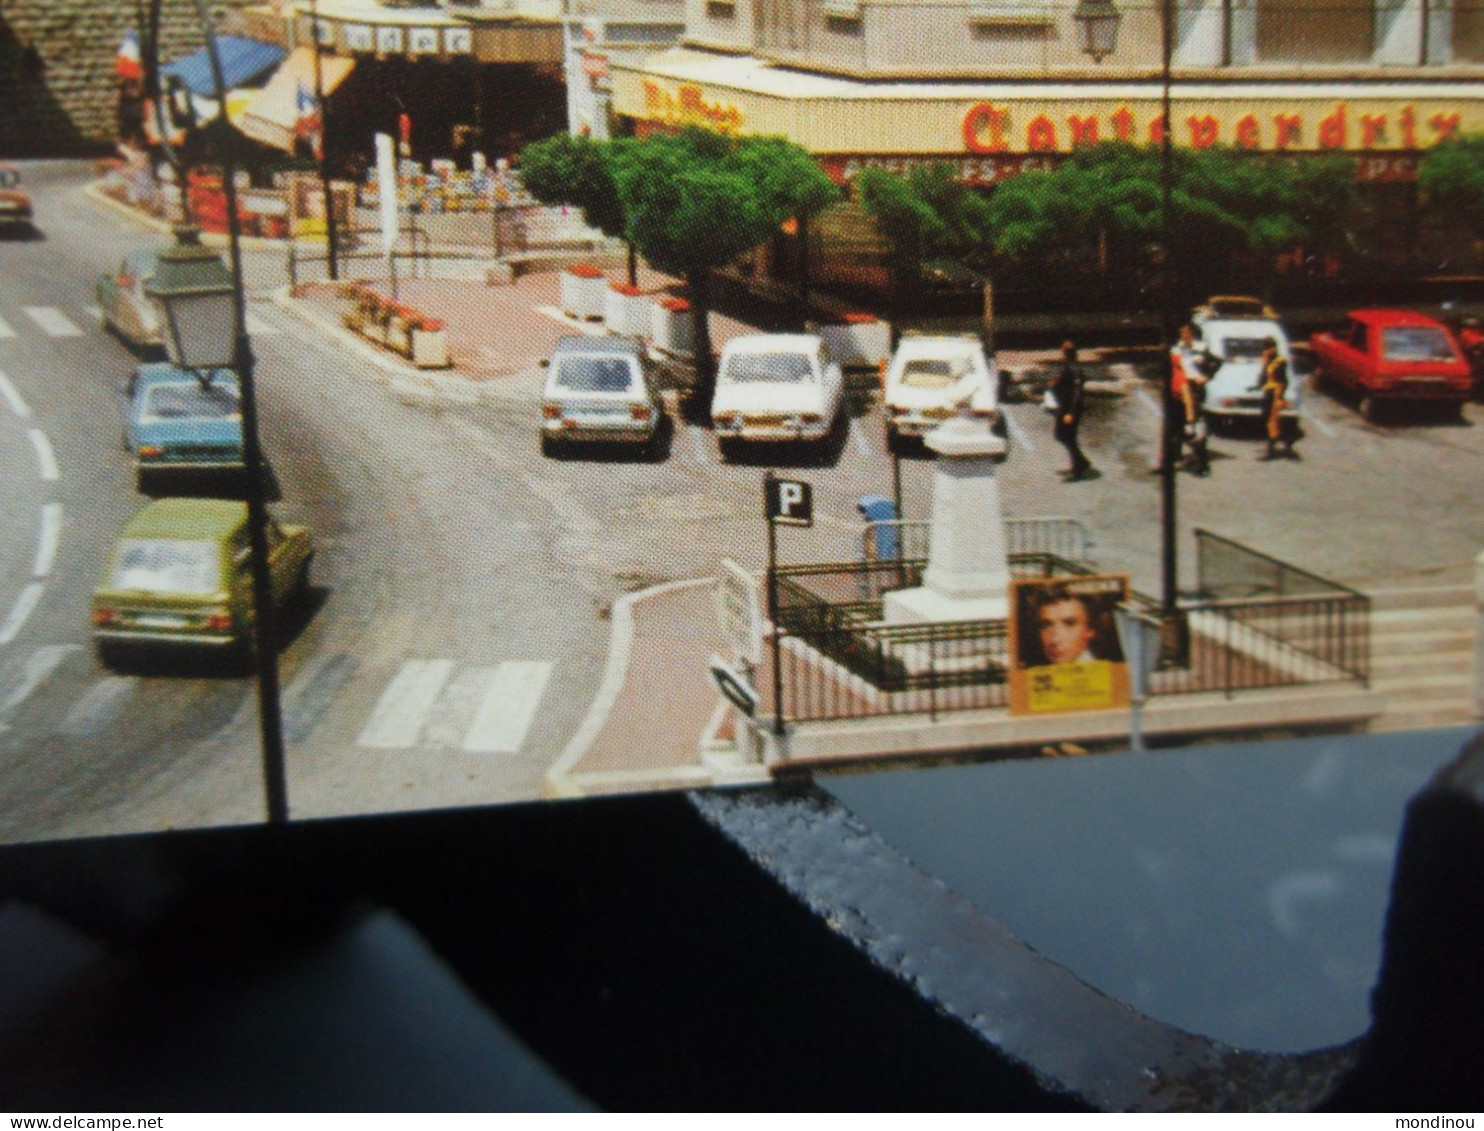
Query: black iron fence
{"points": [[1260, 623]]}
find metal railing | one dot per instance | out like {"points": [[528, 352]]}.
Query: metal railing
{"points": [[1057, 535], [840, 660]]}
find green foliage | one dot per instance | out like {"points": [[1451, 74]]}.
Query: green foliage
{"points": [[697, 199], [576, 171], [1452, 177], [927, 212]]}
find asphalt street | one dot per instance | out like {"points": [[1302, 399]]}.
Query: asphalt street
{"points": [[463, 582]]}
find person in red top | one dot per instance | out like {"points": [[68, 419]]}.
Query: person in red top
{"points": [[1187, 383]]}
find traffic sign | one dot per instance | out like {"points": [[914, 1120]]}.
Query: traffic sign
{"points": [[734, 686], [790, 502], [740, 613]]}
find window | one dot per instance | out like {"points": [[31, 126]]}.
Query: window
{"points": [[1415, 343], [594, 374], [165, 565], [191, 401], [1315, 31], [779, 368]]}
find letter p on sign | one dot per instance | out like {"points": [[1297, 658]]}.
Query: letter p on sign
{"points": [[790, 502]]}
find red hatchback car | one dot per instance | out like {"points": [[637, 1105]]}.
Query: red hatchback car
{"points": [[1387, 357]]}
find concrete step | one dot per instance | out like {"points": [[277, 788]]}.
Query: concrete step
{"points": [[1421, 643], [1388, 665], [1426, 688], [1421, 597], [1423, 717], [1458, 617]]}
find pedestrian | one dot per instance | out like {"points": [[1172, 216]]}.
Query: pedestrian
{"points": [[1197, 431], [1068, 393], [1281, 429], [1184, 363]]}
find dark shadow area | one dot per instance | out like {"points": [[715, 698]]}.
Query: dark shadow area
{"points": [[35, 123], [228, 482], [21, 233]]}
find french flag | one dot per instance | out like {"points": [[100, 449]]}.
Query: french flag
{"points": [[129, 64], [306, 120]]}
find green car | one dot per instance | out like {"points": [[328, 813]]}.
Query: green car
{"points": [[180, 574]]}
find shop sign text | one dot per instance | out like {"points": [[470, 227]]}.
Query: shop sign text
{"points": [[687, 106]]}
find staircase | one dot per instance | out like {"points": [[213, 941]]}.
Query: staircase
{"points": [[1422, 656]]}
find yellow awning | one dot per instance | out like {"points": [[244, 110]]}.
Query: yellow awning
{"points": [[272, 115]]}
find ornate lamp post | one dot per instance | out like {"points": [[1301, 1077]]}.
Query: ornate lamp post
{"points": [[1099, 20], [205, 309]]}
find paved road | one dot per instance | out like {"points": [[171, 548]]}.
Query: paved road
{"points": [[464, 581]]}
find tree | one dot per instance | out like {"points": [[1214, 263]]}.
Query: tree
{"points": [[577, 171], [926, 213], [696, 200], [1452, 177]]}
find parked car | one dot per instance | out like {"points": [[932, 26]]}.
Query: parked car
{"points": [[126, 309], [176, 421], [776, 388], [603, 390], [15, 202], [1387, 357], [930, 378], [1466, 323], [1234, 392], [180, 574], [1223, 307]]}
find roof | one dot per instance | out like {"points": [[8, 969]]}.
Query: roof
{"points": [[609, 345], [274, 111], [939, 345], [1243, 328], [1382, 316], [774, 343], [187, 518], [243, 60], [158, 372]]}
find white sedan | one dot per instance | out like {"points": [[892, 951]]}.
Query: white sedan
{"points": [[1235, 392], [933, 377], [776, 388]]}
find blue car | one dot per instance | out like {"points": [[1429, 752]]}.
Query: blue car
{"points": [[179, 421]]}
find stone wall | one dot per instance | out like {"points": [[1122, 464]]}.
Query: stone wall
{"points": [[57, 81]]}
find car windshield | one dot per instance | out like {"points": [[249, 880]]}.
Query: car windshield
{"points": [[933, 373], [1242, 349], [172, 402], [1416, 343], [594, 374], [779, 368], [166, 565]]}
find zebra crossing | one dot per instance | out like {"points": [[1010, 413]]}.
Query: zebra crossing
{"points": [[422, 704], [55, 323]]}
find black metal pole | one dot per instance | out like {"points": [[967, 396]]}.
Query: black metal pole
{"points": [[275, 780], [324, 144], [1168, 562], [773, 608]]}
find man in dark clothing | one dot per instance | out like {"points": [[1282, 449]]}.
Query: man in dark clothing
{"points": [[1067, 395]]}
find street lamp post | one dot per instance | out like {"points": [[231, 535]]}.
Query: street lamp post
{"points": [[324, 138], [1099, 20], [205, 308]]}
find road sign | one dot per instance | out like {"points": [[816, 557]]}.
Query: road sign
{"points": [[734, 686], [739, 611], [790, 502]]}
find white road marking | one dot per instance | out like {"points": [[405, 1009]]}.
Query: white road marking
{"points": [[508, 708], [45, 456], [13, 398], [39, 667], [24, 604], [99, 706], [1021, 437], [398, 717], [5, 330], [1320, 423], [697, 444], [50, 536], [592, 329], [860, 437], [256, 325], [53, 321]]}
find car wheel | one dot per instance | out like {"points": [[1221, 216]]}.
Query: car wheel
{"points": [[729, 448], [299, 592], [896, 443], [110, 654], [548, 446], [1370, 408]]}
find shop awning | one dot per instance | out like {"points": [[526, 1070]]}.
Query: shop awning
{"points": [[271, 116], [243, 62]]}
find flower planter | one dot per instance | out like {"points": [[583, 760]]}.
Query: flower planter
{"points": [[430, 349], [626, 311], [673, 327], [584, 293], [858, 341]]}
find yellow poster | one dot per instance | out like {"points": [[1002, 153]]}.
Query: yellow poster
{"points": [[1064, 647]]}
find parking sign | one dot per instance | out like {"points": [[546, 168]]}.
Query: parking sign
{"points": [[790, 502]]}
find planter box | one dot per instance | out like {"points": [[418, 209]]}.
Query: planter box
{"points": [[859, 342], [627, 311], [584, 293], [430, 349], [673, 327]]}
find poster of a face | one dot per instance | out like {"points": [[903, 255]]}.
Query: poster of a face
{"points": [[1065, 652]]}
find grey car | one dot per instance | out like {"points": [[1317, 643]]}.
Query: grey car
{"points": [[600, 390]]}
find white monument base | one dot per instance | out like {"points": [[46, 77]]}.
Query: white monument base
{"points": [[916, 606]]}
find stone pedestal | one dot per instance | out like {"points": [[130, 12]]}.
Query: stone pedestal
{"points": [[968, 571]]}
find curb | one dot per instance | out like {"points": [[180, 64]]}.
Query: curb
{"points": [[559, 780], [95, 193]]}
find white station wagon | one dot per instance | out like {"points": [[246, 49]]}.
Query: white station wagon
{"points": [[932, 377], [599, 390], [776, 388]]}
